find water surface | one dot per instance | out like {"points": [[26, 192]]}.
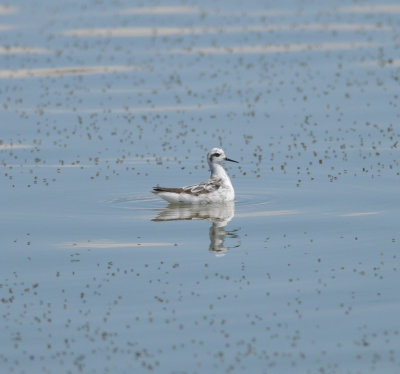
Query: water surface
{"points": [[100, 102]]}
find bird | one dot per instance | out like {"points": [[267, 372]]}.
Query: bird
{"points": [[217, 189]]}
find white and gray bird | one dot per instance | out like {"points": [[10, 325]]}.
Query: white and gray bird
{"points": [[217, 189]]}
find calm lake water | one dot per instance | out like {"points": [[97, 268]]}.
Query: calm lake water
{"points": [[101, 101]]}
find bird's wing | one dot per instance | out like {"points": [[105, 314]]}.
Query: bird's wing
{"points": [[208, 186]]}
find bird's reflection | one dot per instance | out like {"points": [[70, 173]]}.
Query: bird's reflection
{"points": [[219, 214]]}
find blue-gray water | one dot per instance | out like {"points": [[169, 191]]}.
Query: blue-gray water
{"points": [[102, 101]]}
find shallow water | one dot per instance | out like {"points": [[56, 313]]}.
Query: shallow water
{"points": [[100, 102]]}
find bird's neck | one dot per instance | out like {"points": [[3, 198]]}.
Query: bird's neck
{"points": [[217, 171]]}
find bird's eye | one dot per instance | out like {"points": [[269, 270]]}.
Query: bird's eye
{"points": [[215, 155]]}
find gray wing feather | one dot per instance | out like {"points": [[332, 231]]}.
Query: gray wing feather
{"points": [[208, 186]]}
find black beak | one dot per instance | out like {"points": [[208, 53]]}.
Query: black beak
{"points": [[228, 159]]}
